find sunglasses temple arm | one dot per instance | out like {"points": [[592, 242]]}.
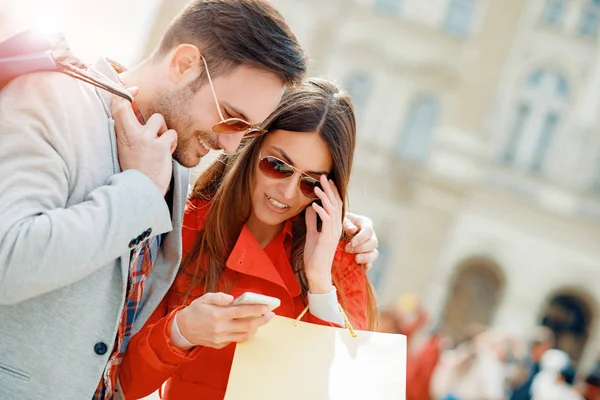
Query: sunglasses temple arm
{"points": [[213, 89]]}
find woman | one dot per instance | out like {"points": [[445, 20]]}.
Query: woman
{"points": [[268, 220]]}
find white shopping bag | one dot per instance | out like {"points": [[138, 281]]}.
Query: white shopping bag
{"points": [[305, 361]]}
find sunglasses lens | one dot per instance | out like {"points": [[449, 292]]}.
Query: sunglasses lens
{"points": [[275, 168], [232, 125], [308, 185]]}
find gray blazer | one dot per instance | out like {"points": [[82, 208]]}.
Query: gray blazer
{"points": [[67, 217]]}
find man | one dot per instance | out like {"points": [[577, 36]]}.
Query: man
{"points": [[84, 252]]}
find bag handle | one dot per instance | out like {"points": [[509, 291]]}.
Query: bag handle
{"points": [[30, 51], [347, 323]]}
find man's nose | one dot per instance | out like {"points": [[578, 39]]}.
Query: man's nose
{"points": [[230, 142]]}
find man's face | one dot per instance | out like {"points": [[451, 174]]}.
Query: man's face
{"points": [[245, 92]]}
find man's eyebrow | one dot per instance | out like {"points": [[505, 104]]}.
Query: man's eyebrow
{"points": [[234, 110], [289, 161]]}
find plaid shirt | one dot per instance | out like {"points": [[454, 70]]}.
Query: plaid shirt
{"points": [[140, 265], [142, 261]]}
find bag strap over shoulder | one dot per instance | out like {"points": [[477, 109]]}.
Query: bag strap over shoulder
{"points": [[30, 51]]}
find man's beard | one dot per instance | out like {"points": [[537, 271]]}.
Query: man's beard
{"points": [[174, 107]]}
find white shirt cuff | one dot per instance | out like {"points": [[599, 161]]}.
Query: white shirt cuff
{"points": [[177, 339], [325, 306]]}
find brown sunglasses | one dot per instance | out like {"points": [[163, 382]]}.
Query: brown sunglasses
{"points": [[275, 168], [231, 125]]}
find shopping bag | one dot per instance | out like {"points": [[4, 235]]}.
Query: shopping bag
{"points": [[32, 51], [294, 360]]}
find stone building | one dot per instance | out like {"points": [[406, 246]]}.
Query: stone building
{"points": [[478, 155]]}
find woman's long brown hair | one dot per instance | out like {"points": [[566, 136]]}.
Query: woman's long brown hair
{"points": [[315, 106]]}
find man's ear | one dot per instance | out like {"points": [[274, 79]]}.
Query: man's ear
{"points": [[184, 65]]}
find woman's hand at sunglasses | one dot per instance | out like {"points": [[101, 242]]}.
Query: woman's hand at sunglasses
{"points": [[320, 247]]}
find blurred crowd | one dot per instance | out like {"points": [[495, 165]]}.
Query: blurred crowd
{"points": [[485, 364]]}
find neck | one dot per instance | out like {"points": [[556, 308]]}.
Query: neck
{"points": [[143, 76], [262, 232]]}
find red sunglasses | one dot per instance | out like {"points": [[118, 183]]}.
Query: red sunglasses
{"points": [[275, 168]]}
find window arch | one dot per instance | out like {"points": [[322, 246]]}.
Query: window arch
{"points": [[536, 119], [554, 12], [474, 296], [590, 19], [570, 315], [419, 128]]}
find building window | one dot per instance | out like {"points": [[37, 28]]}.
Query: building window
{"points": [[388, 6], [419, 128], [359, 86], [546, 135], [590, 18], [554, 12], [459, 17], [537, 118], [510, 151]]}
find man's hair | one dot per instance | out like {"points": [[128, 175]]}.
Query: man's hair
{"points": [[230, 33]]}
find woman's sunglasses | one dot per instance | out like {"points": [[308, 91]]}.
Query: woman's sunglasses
{"points": [[231, 125], [275, 168]]}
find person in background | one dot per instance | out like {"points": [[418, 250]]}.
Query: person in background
{"points": [[543, 340], [591, 387]]}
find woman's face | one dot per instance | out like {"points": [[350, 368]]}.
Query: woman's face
{"points": [[276, 200]]}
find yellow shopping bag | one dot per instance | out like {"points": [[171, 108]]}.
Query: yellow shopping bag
{"points": [[289, 360]]}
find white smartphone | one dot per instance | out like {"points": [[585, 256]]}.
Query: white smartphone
{"points": [[250, 298]]}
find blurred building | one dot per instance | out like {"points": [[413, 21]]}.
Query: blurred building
{"points": [[478, 154]]}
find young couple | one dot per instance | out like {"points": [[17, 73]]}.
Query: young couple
{"points": [[91, 211]]}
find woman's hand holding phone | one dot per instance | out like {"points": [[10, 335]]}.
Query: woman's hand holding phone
{"points": [[214, 321], [320, 247]]}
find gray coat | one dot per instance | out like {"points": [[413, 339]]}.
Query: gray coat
{"points": [[67, 217]]}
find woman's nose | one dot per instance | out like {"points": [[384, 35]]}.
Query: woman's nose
{"points": [[290, 187]]}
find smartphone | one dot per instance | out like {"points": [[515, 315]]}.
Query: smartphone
{"points": [[250, 298]]}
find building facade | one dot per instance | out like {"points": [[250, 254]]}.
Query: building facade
{"points": [[478, 155]]}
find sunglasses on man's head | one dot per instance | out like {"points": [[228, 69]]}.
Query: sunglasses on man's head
{"points": [[231, 125], [275, 168]]}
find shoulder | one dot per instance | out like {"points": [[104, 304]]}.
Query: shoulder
{"points": [[48, 85], [54, 100]]}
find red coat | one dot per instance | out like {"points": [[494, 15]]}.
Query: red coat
{"points": [[203, 372]]}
